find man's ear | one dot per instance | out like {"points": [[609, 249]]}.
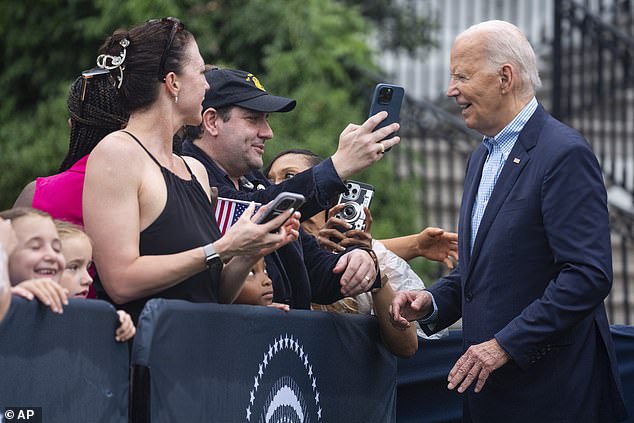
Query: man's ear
{"points": [[210, 121], [506, 78]]}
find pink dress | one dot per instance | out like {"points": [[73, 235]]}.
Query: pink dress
{"points": [[60, 195]]}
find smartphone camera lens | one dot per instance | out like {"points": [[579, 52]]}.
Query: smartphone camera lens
{"points": [[385, 95]]}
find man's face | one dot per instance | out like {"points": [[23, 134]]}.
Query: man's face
{"points": [[476, 87], [242, 139]]}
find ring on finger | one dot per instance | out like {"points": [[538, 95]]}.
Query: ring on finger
{"points": [[382, 150], [367, 278]]}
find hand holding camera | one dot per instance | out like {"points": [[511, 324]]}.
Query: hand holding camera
{"points": [[357, 196], [350, 221], [336, 235]]}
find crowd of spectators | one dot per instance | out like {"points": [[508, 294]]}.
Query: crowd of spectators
{"points": [[157, 236]]}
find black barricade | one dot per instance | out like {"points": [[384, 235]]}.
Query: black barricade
{"points": [[624, 345], [422, 394], [207, 362], [62, 368], [219, 363]]}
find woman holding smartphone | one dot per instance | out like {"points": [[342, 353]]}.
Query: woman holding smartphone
{"points": [[147, 209]]}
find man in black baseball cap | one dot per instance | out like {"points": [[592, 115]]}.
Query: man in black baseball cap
{"points": [[239, 88], [230, 143]]}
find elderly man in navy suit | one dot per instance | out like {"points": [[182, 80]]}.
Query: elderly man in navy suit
{"points": [[535, 256]]}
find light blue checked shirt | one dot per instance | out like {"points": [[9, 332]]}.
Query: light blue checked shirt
{"points": [[499, 147]]}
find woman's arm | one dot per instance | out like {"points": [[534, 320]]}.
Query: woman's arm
{"points": [[115, 196], [431, 243], [25, 199], [401, 342], [111, 208]]}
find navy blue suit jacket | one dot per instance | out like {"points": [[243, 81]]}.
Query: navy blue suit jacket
{"points": [[540, 269]]}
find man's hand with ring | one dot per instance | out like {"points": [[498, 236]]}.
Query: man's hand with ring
{"points": [[358, 272]]}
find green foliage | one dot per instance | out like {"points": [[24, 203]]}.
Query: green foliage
{"points": [[316, 51], [399, 27], [31, 143]]}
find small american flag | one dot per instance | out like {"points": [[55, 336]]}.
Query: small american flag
{"points": [[228, 211]]}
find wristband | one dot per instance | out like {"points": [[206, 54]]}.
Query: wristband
{"points": [[383, 283], [375, 259]]}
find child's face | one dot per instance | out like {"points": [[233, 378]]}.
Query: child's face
{"points": [[78, 254], [258, 288], [38, 253]]}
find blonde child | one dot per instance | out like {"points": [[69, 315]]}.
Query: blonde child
{"points": [[76, 279], [258, 289], [36, 263]]}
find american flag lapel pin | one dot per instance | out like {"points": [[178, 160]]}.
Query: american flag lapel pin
{"points": [[516, 160]]}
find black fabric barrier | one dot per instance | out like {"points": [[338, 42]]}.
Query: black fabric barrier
{"points": [[624, 343], [202, 363], [68, 368], [231, 363], [422, 394]]}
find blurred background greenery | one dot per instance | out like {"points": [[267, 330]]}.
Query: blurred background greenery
{"points": [[323, 53]]}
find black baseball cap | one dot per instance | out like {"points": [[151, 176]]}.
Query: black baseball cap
{"points": [[229, 87]]}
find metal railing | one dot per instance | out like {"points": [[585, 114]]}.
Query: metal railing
{"points": [[592, 81], [593, 92]]}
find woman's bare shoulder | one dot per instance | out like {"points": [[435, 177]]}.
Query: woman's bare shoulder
{"points": [[117, 143], [196, 166], [118, 156]]}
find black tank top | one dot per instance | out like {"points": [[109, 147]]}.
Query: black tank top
{"points": [[186, 222]]}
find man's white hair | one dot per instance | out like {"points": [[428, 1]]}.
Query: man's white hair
{"points": [[505, 43]]}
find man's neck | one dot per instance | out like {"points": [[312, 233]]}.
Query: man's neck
{"points": [[517, 104], [204, 146], [509, 111]]}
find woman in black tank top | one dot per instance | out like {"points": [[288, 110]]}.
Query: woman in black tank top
{"points": [[152, 237]]}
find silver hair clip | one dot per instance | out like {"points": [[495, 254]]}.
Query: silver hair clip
{"points": [[106, 61]]}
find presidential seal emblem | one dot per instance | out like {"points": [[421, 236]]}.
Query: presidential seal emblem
{"points": [[285, 385]]}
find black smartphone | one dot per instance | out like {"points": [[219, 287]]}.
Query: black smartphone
{"points": [[387, 97], [281, 203]]}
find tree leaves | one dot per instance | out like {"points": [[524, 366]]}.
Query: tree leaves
{"points": [[316, 51]]}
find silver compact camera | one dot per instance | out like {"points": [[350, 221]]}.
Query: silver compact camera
{"points": [[357, 196]]}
